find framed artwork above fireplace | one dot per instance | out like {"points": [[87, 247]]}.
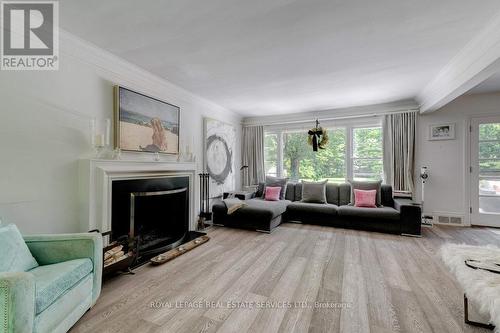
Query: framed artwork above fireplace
{"points": [[145, 124]]}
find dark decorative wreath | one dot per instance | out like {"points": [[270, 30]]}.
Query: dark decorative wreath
{"points": [[318, 138]]}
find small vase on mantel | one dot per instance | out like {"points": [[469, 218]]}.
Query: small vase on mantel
{"points": [[187, 155], [117, 154]]}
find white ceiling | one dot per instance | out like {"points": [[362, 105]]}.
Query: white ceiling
{"points": [[490, 85], [265, 57]]}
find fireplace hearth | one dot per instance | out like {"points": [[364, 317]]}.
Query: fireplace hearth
{"points": [[152, 212]]}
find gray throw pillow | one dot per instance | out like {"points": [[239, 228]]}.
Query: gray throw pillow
{"points": [[276, 182], [314, 192], [366, 186]]}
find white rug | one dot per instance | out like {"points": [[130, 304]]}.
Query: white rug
{"points": [[481, 287]]}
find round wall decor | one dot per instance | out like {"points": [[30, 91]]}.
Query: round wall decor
{"points": [[219, 159]]}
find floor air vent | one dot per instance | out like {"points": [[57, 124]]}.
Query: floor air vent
{"points": [[441, 218]]}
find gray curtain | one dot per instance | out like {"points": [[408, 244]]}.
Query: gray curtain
{"points": [[253, 155], [399, 150]]}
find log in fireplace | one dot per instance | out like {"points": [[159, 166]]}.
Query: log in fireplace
{"points": [[152, 212]]}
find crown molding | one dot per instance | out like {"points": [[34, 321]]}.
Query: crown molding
{"points": [[351, 112], [125, 73], [476, 62]]}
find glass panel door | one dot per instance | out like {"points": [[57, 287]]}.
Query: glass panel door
{"points": [[485, 155]]}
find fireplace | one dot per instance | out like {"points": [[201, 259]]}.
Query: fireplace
{"points": [[152, 212]]}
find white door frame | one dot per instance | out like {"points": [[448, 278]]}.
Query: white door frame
{"points": [[467, 170], [471, 168]]}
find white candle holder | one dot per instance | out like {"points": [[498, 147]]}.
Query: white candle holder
{"points": [[100, 136]]}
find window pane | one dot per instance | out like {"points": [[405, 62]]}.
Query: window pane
{"points": [[489, 150], [302, 163], [367, 142], [367, 169], [489, 205], [367, 153], [488, 166], [489, 131], [489, 187], [271, 154]]}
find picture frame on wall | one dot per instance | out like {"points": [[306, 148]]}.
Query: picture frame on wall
{"points": [[441, 132], [145, 124], [219, 162]]}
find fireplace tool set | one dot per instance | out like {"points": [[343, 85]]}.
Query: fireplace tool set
{"points": [[205, 214]]}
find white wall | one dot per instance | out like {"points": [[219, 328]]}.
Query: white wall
{"points": [[44, 130], [447, 189]]}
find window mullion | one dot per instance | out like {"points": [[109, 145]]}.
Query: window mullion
{"points": [[349, 153], [279, 158]]}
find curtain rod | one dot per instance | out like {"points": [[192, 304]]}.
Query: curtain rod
{"points": [[365, 115]]}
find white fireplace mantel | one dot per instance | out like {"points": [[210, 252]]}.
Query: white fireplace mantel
{"points": [[95, 186]]}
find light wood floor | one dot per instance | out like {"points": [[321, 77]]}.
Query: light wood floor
{"points": [[384, 283]]}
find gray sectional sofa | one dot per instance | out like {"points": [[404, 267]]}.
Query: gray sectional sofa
{"points": [[396, 215]]}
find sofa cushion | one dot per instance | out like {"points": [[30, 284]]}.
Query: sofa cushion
{"points": [[275, 207], [314, 192], [52, 281], [344, 194], [272, 193], [332, 193], [366, 185], [259, 208], [365, 198], [260, 189], [298, 192], [290, 191], [385, 213], [309, 207], [277, 181], [15, 255]]}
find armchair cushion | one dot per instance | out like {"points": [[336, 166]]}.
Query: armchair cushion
{"points": [[54, 280], [16, 257], [52, 249]]}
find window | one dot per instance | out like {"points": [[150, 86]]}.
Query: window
{"points": [[300, 162], [351, 153], [489, 168], [367, 153], [271, 154]]}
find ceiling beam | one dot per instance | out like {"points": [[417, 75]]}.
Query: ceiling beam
{"points": [[476, 62]]}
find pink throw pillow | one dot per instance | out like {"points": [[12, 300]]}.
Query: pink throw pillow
{"points": [[272, 193], [365, 198]]}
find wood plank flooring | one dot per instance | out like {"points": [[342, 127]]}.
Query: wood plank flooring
{"points": [[300, 278]]}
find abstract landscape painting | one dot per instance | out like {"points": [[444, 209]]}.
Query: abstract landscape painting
{"points": [[145, 124]]}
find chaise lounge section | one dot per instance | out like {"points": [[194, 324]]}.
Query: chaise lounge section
{"points": [[259, 214]]}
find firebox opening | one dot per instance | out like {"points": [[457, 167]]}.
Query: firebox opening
{"points": [[153, 213]]}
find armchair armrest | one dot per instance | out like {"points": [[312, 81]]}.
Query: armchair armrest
{"points": [[410, 215], [17, 302], [51, 249]]}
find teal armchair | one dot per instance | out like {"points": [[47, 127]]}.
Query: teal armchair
{"points": [[54, 295]]}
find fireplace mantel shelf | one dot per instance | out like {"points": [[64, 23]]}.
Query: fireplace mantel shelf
{"points": [[97, 175], [137, 161], [176, 164]]}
